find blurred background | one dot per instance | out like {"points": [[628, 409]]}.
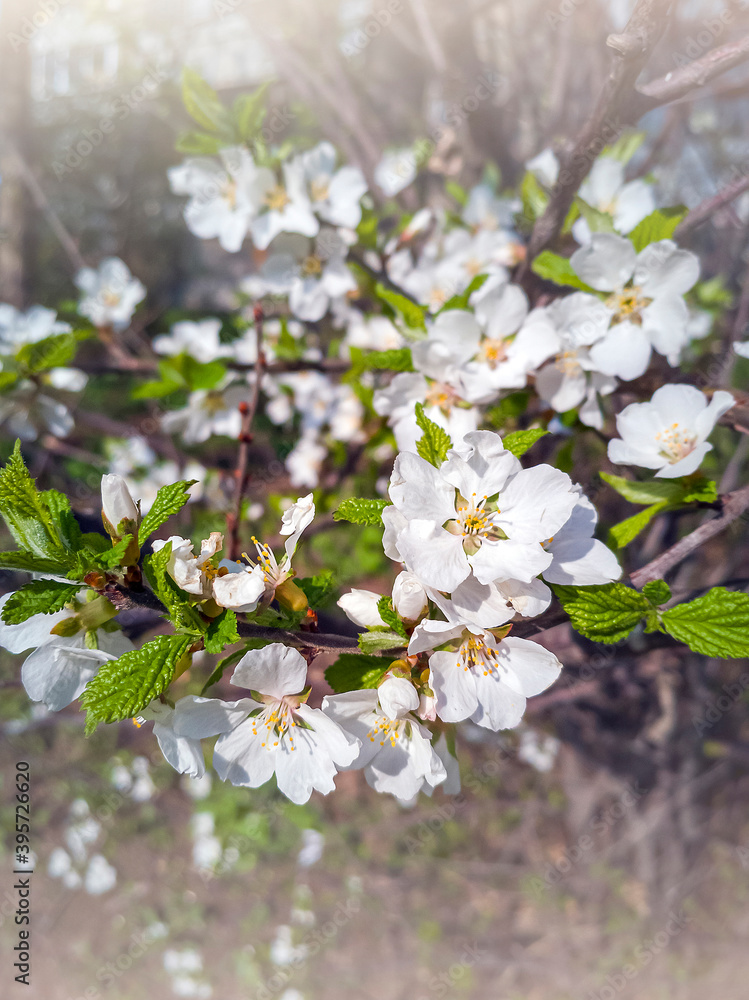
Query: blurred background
{"points": [[602, 850]]}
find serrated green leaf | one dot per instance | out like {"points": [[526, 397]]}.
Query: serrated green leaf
{"points": [[657, 592], [115, 556], [434, 443], [360, 511], [598, 222], [411, 313], [221, 632], [40, 597], [606, 613], [626, 531], [551, 267], [31, 563], [52, 352], [125, 686], [372, 642], [702, 491], [659, 225], [174, 599], [518, 442], [390, 616], [169, 500], [650, 492], [317, 588], [355, 673], [714, 625], [399, 360], [26, 512], [203, 104]]}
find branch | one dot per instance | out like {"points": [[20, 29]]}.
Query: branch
{"points": [[681, 81], [733, 506], [610, 115], [707, 208], [248, 411]]}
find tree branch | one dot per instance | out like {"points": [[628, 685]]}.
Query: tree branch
{"points": [[706, 209], [681, 82], [611, 114], [733, 506]]}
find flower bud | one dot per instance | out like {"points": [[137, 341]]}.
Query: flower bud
{"points": [[290, 596], [409, 597], [361, 608], [118, 506], [397, 697]]}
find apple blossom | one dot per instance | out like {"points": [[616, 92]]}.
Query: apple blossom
{"points": [[110, 294]]}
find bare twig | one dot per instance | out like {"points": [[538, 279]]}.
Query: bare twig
{"points": [[706, 209], [682, 81], [733, 506], [242, 472], [612, 112]]}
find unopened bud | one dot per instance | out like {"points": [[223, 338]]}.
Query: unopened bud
{"points": [[119, 511], [290, 596]]}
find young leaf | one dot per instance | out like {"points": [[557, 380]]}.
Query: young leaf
{"points": [[353, 673], [359, 511], [31, 563], [650, 492], [605, 613], [518, 442], [40, 597], [317, 588], [657, 592], [221, 632], [463, 299], [373, 642], [626, 531], [411, 312], [715, 625], [198, 144], [124, 686], [175, 600], [28, 516], [659, 225], [203, 103], [598, 222], [435, 442], [248, 112], [399, 360], [52, 352], [390, 616], [552, 267], [168, 501]]}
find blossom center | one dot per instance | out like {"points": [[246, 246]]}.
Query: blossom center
{"points": [[494, 350], [319, 189], [385, 729], [229, 192], [442, 396], [277, 719], [475, 522], [110, 298], [311, 267], [276, 199], [267, 562], [675, 443], [628, 304], [568, 363], [475, 654]]}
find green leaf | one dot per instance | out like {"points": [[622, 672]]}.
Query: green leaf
{"points": [[198, 144], [7, 380], [40, 597], [625, 146], [248, 112], [317, 588], [462, 300], [359, 511], [52, 352], [659, 225], [372, 642], [411, 313], [702, 491], [169, 500], [26, 511], [606, 613], [117, 555], [31, 563], [434, 443], [652, 491], [174, 599], [124, 687], [657, 592], [222, 632], [181, 372], [457, 192], [533, 196], [598, 222], [551, 267], [626, 531], [203, 103], [354, 673], [390, 616], [714, 625], [399, 360], [518, 442]]}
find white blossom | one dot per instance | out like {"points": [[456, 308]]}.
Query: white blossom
{"points": [[110, 294]]}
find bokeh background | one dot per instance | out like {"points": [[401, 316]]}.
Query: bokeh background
{"points": [[602, 850]]}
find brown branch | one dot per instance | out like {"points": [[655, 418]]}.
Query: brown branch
{"points": [[611, 114], [681, 82], [706, 209], [332, 366], [242, 473], [733, 506]]}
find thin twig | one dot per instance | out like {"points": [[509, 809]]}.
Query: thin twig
{"points": [[242, 473], [682, 81], [734, 504], [706, 209]]}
